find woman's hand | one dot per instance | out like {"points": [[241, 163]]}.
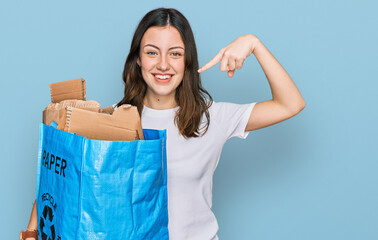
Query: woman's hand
{"points": [[234, 54]]}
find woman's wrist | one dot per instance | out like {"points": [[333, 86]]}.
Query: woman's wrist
{"points": [[255, 42]]}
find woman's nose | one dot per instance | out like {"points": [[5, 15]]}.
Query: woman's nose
{"points": [[163, 63]]}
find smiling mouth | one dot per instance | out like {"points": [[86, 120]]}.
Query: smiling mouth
{"points": [[163, 78]]}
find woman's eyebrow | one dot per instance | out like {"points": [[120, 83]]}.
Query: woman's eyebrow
{"points": [[151, 45]]}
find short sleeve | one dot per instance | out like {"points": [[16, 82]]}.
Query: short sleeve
{"points": [[232, 118]]}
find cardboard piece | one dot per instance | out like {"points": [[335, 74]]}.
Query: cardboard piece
{"points": [[123, 125], [54, 111], [70, 89], [108, 110]]}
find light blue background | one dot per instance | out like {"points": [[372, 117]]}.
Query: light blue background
{"points": [[309, 178]]}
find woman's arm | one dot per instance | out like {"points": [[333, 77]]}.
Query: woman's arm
{"points": [[33, 222], [286, 99]]}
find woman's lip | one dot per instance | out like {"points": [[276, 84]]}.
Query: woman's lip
{"points": [[163, 80]]}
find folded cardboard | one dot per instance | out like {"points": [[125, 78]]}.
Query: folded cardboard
{"points": [[70, 89], [54, 111], [108, 110], [86, 118], [123, 125]]}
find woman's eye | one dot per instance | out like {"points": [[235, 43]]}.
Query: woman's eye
{"points": [[151, 53], [176, 54]]}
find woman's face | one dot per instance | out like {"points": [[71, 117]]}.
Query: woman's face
{"points": [[162, 60]]}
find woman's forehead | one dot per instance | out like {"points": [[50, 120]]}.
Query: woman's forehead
{"points": [[162, 37]]}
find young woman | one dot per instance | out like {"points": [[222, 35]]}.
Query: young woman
{"points": [[162, 78]]}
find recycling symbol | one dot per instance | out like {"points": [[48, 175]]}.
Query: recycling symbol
{"points": [[46, 225]]}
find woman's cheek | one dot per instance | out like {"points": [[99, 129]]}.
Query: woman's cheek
{"points": [[179, 66]]}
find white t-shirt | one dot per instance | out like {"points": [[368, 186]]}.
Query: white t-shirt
{"points": [[191, 164]]}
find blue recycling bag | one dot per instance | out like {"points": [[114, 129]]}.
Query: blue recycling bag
{"points": [[93, 189]]}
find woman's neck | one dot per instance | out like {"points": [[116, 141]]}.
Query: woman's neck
{"points": [[159, 102]]}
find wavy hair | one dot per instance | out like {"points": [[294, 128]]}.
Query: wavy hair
{"points": [[190, 95]]}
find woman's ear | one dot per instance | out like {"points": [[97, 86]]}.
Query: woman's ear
{"points": [[138, 61]]}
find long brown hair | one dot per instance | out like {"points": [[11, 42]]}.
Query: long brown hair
{"points": [[190, 95]]}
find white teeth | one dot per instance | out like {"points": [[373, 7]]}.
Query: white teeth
{"points": [[163, 76]]}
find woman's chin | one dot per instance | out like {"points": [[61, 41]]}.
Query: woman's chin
{"points": [[163, 93]]}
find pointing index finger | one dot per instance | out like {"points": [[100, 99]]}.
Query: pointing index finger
{"points": [[212, 62]]}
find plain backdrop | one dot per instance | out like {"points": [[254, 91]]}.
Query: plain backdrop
{"points": [[311, 177]]}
